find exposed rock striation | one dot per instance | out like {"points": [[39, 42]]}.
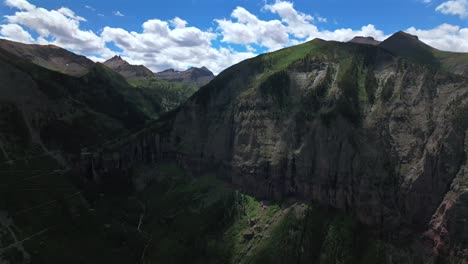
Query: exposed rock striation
{"points": [[363, 128]]}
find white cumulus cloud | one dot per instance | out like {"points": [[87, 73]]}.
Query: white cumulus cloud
{"points": [[454, 7], [70, 14], [177, 22], [171, 44], [162, 44], [444, 37], [293, 28], [248, 29], [60, 27], [298, 24], [20, 4], [16, 33], [346, 34]]}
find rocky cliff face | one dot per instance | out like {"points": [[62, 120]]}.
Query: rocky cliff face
{"points": [[356, 127]]}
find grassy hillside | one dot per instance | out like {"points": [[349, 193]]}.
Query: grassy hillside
{"points": [[165, 95]]}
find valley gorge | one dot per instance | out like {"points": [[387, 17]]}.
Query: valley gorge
{"points": [[324, 152]]}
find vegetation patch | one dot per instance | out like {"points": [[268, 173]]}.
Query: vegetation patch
{"points": [[277, 87], [165, 96]]}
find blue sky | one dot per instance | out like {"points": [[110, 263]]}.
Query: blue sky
{"points": [[218, 33]]}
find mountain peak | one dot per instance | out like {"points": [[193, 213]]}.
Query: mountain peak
{"points": [[115, 62], [203, 71], [409, 46], [200, 76], [116, 59], [318, 40], [129, 71], [365, 40], [403, 40], [402, 34]]}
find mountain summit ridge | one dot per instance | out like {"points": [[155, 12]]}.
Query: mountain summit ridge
{"points": [[409, 46], [49, 56], [201, 76], [365, 40], [117, 58], [129, 71]]}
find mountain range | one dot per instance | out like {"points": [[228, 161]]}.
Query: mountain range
{"points": [[199, 76], [324, 152]]}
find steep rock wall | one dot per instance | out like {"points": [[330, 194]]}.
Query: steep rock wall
{"points": [[369, 133]]}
